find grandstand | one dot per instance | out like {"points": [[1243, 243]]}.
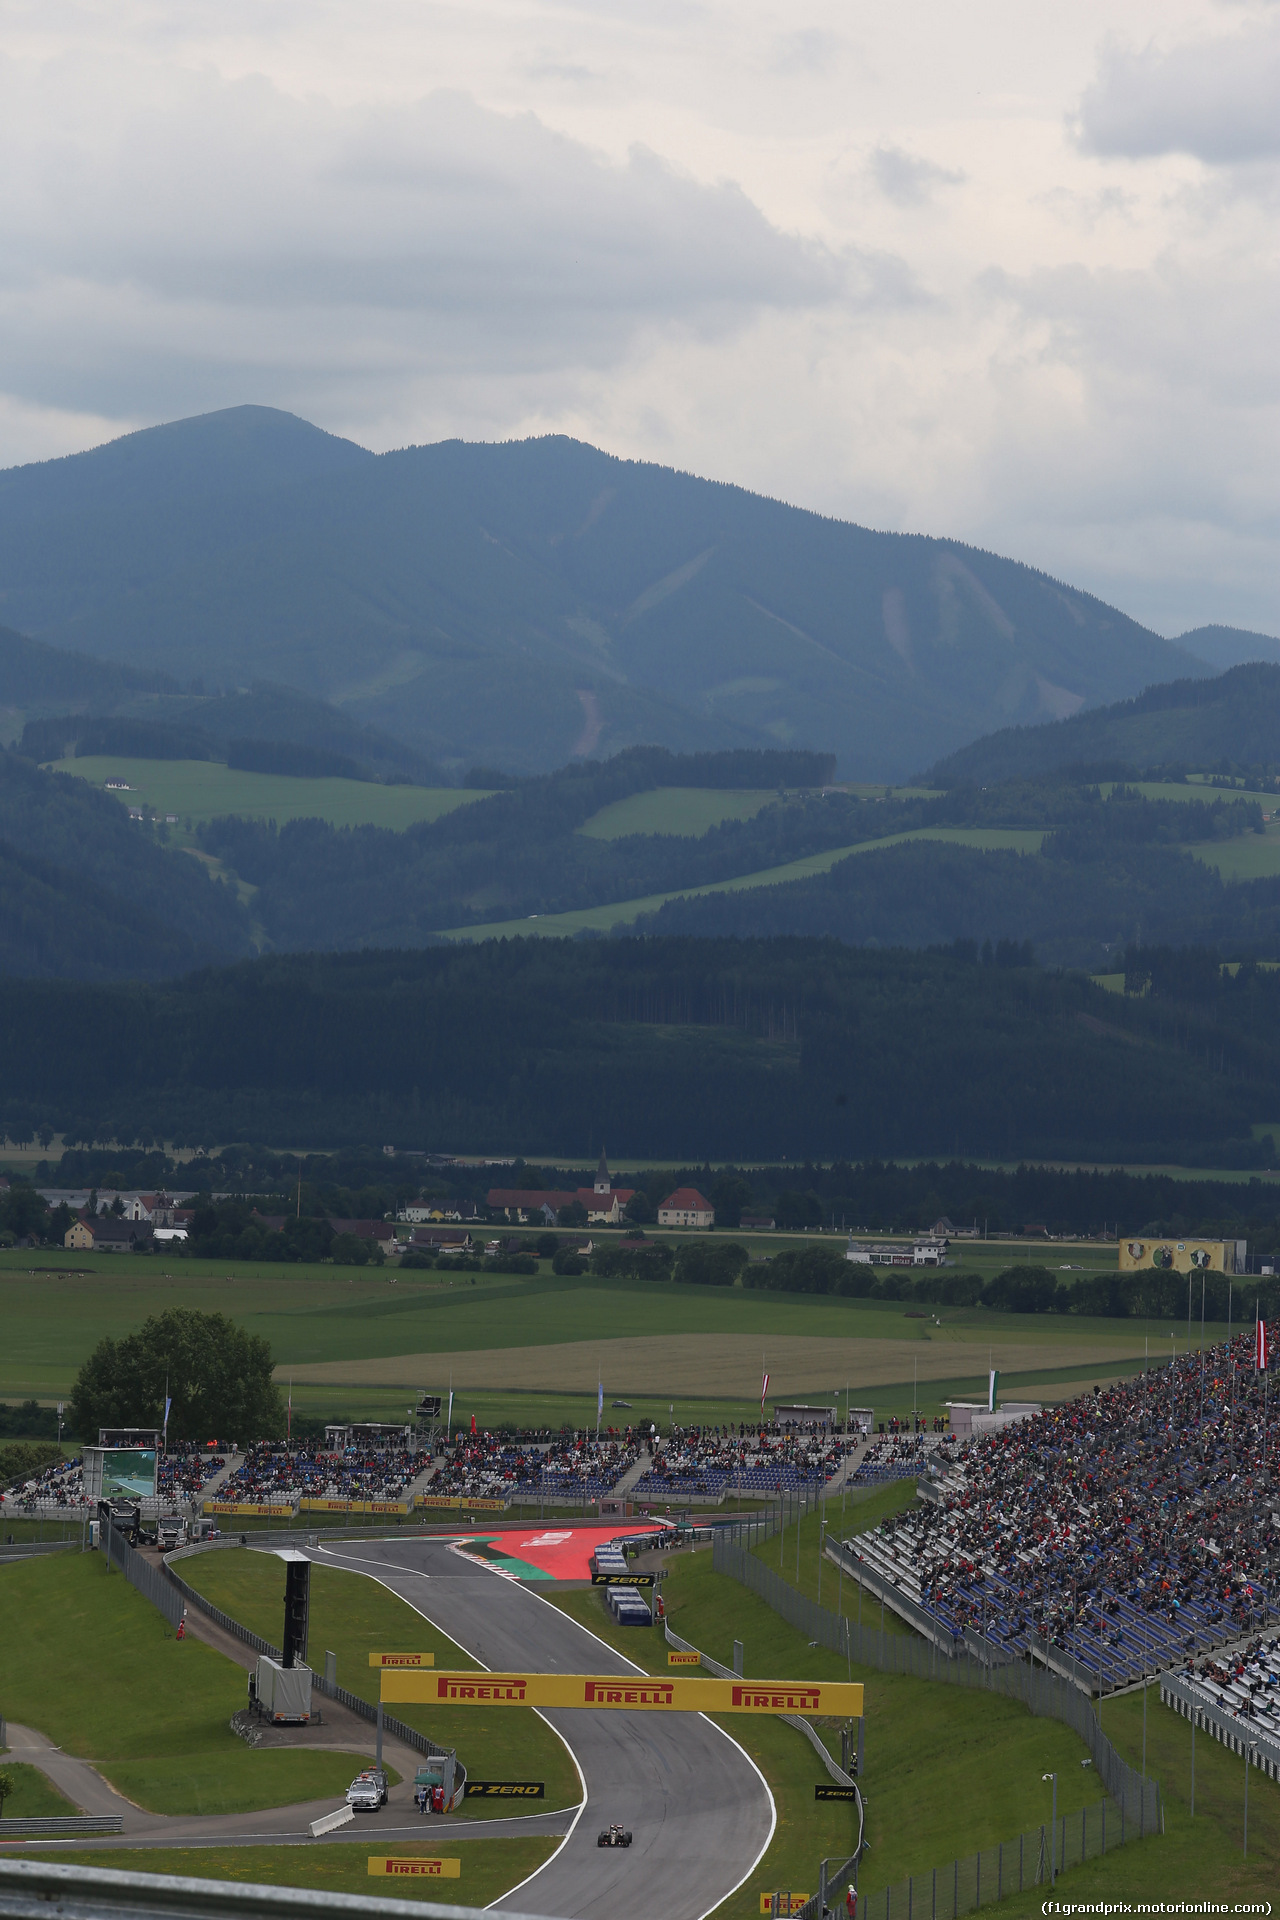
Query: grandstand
{"points": [[897, 1458], [567, 1468], [275, 1474], [53, 1491], [712, 1462], [1112, 1537]]}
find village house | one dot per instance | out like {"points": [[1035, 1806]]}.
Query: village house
{"points": [[686, 1207]]}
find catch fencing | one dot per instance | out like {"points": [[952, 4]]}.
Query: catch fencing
{"points": [[1136, 1796], [142, 1574], [1032, 1860], [183, 1590]]}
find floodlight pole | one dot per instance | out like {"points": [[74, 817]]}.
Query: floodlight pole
{"points": [[1053, 1831]]}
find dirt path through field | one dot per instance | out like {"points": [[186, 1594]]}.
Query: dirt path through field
{"points": [[727, 1364]]}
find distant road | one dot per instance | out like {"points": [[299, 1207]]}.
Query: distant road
{"points": [[700, 1811]]}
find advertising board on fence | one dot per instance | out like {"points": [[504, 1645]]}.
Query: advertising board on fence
{"points": [[402, 1660], [272, 1511], [354, 1506], [455, 1503], [627, 1694]]}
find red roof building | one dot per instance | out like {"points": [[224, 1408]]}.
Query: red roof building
{"points": [[686, 1207]]}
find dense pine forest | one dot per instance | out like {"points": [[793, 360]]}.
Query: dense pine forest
{"points": [[766, 1050]]}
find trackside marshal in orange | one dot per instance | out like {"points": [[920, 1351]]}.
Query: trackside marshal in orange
{"points": [[624, 1693], [411, 1660], [402, 1867]]}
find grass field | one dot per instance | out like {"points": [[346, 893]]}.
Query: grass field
{"points": [[623, 912], [353, 1616], [199, 790], [489, 1867], [90, 1664], [360, 1343], [365, 1329], [687, 811], [1251, 856]]}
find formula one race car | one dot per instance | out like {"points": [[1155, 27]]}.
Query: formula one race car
{"points": [[614, 1836]]}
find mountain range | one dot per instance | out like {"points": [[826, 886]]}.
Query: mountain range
{"points": [[521, 604]]}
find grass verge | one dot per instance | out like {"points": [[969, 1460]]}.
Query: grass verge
{"points": [[489, 1868], [89, 1663], [33, 1797], [353, 1616]]}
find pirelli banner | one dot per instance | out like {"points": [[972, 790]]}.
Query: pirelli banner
{"points": [[452, 1503], [354, 1506], [246, 1507], [403, 1867], [413, 1661], [622, 1693]]}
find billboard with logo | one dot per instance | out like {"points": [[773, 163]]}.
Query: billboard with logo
{"points": [[623, 1693]]}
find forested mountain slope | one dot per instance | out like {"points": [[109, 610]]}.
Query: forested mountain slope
{"points": [[755, 1050], [520, 603], [86, 893], [1232, 720]]}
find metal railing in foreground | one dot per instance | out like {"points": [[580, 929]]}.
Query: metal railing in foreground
{"points": [[1039, 1691], [39, 1890]]}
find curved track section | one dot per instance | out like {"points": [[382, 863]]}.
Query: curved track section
{"points": [[699, 1809]]}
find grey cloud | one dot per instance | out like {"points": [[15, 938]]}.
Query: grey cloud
{"points": [[226, 228], [1218, 99], [906, 178]]}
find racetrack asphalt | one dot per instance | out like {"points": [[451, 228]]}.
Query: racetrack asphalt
{"points": [[700, 1811]]}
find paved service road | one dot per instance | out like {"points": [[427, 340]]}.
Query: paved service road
{"points": [[700, 1812]]}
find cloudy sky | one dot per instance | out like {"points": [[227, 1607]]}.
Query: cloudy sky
{"points": [[1003, 272]]}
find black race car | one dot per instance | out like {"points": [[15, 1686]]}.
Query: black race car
{"points": [[614, 1836]]}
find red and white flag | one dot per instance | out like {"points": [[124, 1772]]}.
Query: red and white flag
{"points": [[1261, 1346], [764, 1388]]}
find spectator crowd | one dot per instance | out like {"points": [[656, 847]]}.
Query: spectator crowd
{"points": [[1124, 1530]]}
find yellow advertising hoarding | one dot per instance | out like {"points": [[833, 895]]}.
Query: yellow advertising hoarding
{"points": [[455, 1503], [1183, 1256], [402, 1659], [797, 1901], [354, 1506], [684, 1659], [274, 1512], [625, 1693], [403, 1867]]}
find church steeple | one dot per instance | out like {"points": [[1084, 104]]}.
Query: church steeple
{"points": [[604, 1180]]}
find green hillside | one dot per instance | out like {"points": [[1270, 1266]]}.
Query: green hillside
{"points": [[1231, 722], [519, 604], [625, 913], [200, 790]]}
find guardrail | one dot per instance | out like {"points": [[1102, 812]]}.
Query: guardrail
{"points": [[810, 1733], [44, 1890], [61, 1823]]}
